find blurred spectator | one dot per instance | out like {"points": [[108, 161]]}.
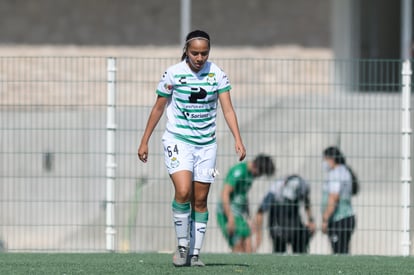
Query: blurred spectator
{"points": [[284, 201], [233, 209], [338, 218]]}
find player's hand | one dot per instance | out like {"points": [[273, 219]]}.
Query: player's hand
{"points": [[241, 151], [312, 227], [143, 152], [252, 226], [231, 227], [325, 227], [258, 240]]}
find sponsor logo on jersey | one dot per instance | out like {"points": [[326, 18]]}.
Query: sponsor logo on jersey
{"points": [[205, 115], [183, 80], [197, 93], [194, 106]]}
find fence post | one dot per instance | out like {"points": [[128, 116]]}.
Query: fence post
{"points": [[110, 156], [185, 20], [406, 157]]}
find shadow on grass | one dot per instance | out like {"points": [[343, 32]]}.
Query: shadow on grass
{"points": [[229, 264]]}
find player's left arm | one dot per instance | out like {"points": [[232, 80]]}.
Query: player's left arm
{"points": [[330, 209], [258, 221], [231, 120], [311, 222]]}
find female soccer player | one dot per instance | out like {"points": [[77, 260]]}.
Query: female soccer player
{"points": [[190, 90], [338, 218]]}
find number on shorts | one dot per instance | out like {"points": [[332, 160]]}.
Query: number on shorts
{"points": [[175, 150]]}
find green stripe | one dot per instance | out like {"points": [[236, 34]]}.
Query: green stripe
{"points": [[199, 216], [194, 119], [195, 84], [182, 75], [190, 139], [197, 137], [225, 89], [197, 110], [192, 128], [189, 92], [181, 207], [198, 101], [162, 94]]}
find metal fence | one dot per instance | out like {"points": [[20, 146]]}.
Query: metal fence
{"points": [[61, 153]]}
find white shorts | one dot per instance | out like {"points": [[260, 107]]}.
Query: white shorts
{"points": [[200, 160]]}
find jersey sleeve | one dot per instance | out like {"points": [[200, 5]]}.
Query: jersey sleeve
{"points": [[223, 84], [166, 84], [266, 203], [304, 189], [334, 182], [334, 187]]}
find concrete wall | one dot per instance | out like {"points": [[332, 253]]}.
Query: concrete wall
{"points": [[156, 22]]}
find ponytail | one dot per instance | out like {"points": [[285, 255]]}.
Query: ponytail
{"points": [[355, 181], [184, 56], [339, 158]]}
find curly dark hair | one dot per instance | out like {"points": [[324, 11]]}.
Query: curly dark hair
{"points": [[264, 165]]}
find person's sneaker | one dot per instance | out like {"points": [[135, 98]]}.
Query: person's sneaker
{"points": [[195, 261], [180, 256]]}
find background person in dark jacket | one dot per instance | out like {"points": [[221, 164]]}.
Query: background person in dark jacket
{"points": [[283, 202]]}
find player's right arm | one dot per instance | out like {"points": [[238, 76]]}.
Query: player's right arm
{"points": [[264, 207], [259, 224], [225, 197], [154, 118], [305, 196], [311, 223]]}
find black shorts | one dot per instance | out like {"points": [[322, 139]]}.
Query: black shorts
{"points": [[340, 233], [298, 237]]}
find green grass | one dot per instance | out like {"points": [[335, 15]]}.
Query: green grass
{"points": [[151, 263]]}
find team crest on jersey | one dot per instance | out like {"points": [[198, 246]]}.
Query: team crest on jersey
{"points": [[211, 78], [174, 162], [168, 86]]}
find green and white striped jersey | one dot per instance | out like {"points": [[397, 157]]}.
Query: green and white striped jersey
{"points": [[192, 101]]}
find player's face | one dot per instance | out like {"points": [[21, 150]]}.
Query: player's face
{"points": [[254, 171], [330, 162], [197, 52]]}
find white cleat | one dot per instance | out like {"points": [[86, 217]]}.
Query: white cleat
{"points": [[180, 256], [195, 261]]}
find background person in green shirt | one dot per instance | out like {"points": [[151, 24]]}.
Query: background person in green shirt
{"points": [[233, 209], [338, 218]]}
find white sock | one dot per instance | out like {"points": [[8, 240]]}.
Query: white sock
{"points": [[197, 233], [181, 222]]}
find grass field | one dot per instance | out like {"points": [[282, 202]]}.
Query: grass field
{"points": [[40, 263]]}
